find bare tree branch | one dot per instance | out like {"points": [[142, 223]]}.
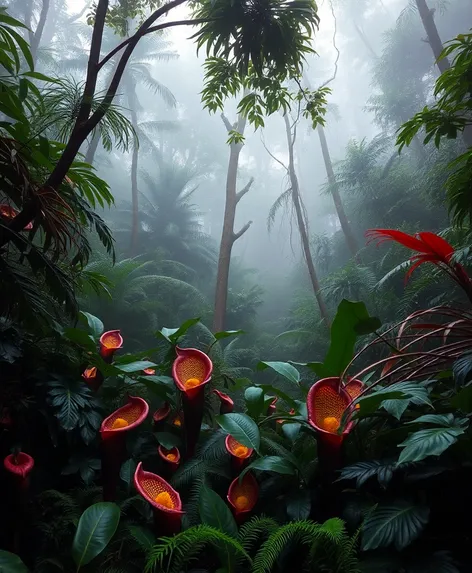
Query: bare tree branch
{"points": [[244, 190], [273, 156], [241, 232], [225, 120], [335, 73]]}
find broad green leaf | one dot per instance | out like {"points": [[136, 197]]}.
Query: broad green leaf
{"points": [[135, 366], [254, 397], [299, 505], [291, 431], [283, 368], [268, 388], [370, 403], [94, 324], [351, 320], [397, 524], [214, 511], [242, 428], [168, 440], [362, 471], [97, 525], [447, 420], [127, 472], [430, 442], [11, 563], [81, 338], [415, 394], [172, 335], [462, 369], [275, 464], [161, 386], [227, 334]]}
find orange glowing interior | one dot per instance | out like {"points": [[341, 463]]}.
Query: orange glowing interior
{"points": [[192, 383], [191, 371], [149, 371], [177, 422], [241, 502], [329, 407], [164, 499], [90, 372], [237, 449], [124, 416], [241, 451], [112, 340], [157, 491], [171, 457], [119, 423]]}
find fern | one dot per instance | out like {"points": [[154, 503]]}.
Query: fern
{"points": [[256, 529], [304, 532], [172, 554]]}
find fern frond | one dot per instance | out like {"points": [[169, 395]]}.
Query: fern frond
{"points": [[304, 532], [173, 553], [256, 530]]}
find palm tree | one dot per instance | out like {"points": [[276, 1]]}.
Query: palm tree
{"points": [[170, 221]]}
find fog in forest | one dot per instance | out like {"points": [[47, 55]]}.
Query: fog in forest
{"points": [[375, 58]]}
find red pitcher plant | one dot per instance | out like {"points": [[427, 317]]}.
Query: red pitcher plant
{"points": [[242, 496], [191, 371], [113, 433], [165, 501], [110, 342], [226, 403], [239, 454]]}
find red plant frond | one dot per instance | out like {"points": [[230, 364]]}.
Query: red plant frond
{"points": [[243, 494], [19, 464], [162, 413], [226, 403], [110, 342], [157, 491], [191, 370], [125, 418], [326, 403], [236, 449], [171, 456]]}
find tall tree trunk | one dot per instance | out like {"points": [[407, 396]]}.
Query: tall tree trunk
{"points": [[302, 225], [132, 102], [434, 40], [36, 40], [345, 225], [228, 236], [92, 148]]}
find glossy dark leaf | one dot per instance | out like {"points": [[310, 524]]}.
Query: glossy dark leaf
{"points": [[127, 472], [299, 505], [136, 366], [168, 440], [254, 397], [95, 325], [396, 524], [214, 511], [11, 563], [97, 525], [283, 368], [462, 369], [172, 335], [275, 464], [227, 334], [362, 471], [428, 442], [242, 428]]}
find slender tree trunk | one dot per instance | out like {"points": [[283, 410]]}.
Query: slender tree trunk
{"points": [[92, 148], [228, 236], [345, 225], [365, 41], [302, 226], [434, 40], [134, 185], [36, 40]]}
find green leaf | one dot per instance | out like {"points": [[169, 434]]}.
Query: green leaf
{"points": [[127, 472], [81, 338], [362, 471], [429, 442], [462, 369], [172, 335], [39, 76], [11, 563], [396, 524], [447, 420], [275, 464], [135, 366], [168, 440], [269, 389], [299, 505], [291, 431], [368, 404], [283, 368], [414, 394], [254, 397], [94, 324], [214, 511], [351, 320], [227, 334], [97, 525], [242, 428]]}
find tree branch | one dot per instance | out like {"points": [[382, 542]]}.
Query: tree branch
{"points": [[244, 190], [335, 73], [241, 232], [110, 55], [39, 29], [225, 120]]}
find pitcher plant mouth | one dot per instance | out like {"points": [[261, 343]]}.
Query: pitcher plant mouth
{"points": [[110, 342], [125, 418], [191, 370], [243, 495], [236, 449], [171, 456], [226, 403], [161, 413], [19, 465]]}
